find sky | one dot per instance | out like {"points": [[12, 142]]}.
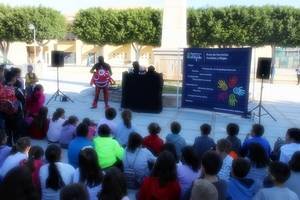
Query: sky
{"points": [[71, 6]]}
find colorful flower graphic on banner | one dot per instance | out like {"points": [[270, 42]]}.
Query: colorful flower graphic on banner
{"points": [[230, 91]]}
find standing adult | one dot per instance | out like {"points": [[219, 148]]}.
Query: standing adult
{"points": [[101, 78], [272, 74], [2, 119], [10, 107], [101, 65], [298, 74]]}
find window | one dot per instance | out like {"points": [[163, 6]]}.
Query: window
{"points": [[70, 58], [287, 57]]}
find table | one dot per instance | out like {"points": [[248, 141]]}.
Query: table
{"points": [[142, 92]]}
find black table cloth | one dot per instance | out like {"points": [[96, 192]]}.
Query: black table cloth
{"points": [[142, 93]]}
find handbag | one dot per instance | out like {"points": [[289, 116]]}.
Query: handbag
{"points": [[130, 174]]}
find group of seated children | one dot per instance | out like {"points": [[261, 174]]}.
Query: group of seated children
{"points": [[107, 159]]}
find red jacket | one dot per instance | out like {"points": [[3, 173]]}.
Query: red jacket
{"points": [[154, 143], [151, 190]]}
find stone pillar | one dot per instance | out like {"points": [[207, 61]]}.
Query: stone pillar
{"points": [[174, 24], [168, 58]]}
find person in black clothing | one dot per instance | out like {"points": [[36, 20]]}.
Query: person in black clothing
{"points": [[101, 65], [136, 67]]}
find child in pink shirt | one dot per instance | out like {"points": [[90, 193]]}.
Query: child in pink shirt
{"points": [[35, 101], [92, 127]]}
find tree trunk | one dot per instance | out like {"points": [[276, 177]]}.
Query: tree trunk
{"points": [[273, 55], [41, 53], [137, 49], [4, 47]]}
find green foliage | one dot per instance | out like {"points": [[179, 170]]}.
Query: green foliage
{"points": [[99, 26], [50, 24], [14, 22], [285, 27], [6, 24], [143, 26], [244, 26], [94, 26]]}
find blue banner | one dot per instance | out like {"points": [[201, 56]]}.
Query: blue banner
{"points": [[216, 79]]}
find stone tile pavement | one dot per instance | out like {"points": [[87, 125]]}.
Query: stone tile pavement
{"points": [[282, 100]]}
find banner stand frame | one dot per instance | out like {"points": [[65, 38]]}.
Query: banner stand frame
{"points": [[254, 74], [178, 78]]}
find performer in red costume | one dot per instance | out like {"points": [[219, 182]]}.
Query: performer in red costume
{"points": [[101, 79]]}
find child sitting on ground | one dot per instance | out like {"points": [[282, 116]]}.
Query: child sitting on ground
{"points": [[204, 143], [34, 163], [55, 125], [40, 124], [21, 152], [68, 131], [153, 142], [35, 101], [175, 138], [279, 173], [110, 115], [92, 128], [240, 187], [223, 149], [4, 149], [232, 132]]}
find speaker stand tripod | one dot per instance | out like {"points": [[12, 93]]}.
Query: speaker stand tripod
{"points": [[59, 93], [260, 106]]}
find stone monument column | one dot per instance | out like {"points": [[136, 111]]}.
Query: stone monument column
{"points": [[168, 57], [174, 24]]}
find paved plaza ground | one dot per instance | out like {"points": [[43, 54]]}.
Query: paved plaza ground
{"points": [[281, 100]]}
